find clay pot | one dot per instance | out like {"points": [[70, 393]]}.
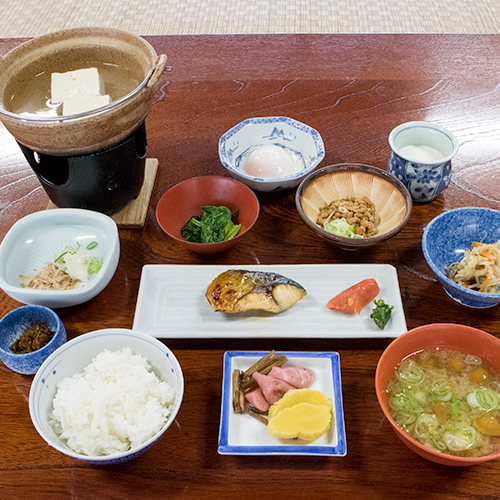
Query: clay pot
{"points": [[75, 49]]}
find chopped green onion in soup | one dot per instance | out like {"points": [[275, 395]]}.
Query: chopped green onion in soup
{"points": [[442, 404]]}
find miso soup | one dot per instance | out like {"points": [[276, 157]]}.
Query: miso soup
{"points": [[448, 401]]}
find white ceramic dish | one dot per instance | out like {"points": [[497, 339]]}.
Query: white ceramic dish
{"points": [[244, 435], [238, 142], [172, 304], [74, 356], [37, 239]]}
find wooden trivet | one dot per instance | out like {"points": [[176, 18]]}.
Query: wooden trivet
{"points": [[133, 216]]}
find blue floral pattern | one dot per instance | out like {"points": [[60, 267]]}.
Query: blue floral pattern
{"points": [[425, 182]]}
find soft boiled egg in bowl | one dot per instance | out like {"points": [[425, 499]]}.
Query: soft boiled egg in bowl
{"points": [[271, 153], [272, 161]]}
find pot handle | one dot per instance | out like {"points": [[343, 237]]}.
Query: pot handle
{"points": [[157, 71]]}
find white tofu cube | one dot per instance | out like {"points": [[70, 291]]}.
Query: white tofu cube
{"points": [[85, 82], [80, 103]]}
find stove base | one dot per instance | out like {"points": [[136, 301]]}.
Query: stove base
{"points": [[104, 181]]}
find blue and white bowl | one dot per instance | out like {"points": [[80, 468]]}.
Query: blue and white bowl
{"points": [[74, 356], [236, 144], [14, 323], [448, 236]]}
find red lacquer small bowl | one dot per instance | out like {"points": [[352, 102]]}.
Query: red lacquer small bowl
{"points": [[465, 339], [188, 198]]}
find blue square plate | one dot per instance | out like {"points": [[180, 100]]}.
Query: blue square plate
{"points": [[244, 435]]}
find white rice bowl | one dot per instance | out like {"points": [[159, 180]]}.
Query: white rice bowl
{"points": [[106, 396], [115, 404]]}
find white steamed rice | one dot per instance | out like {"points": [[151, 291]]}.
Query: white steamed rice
{"points": [[117, 403]]}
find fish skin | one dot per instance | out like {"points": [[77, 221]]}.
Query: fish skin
{"points": [[236, 291]]}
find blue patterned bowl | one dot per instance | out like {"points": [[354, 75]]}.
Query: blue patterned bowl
{"points": [[237, 143], [13, 324], [421, 158], [448, 236]]}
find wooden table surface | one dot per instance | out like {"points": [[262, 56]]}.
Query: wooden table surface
{"points": [[354, 89]]}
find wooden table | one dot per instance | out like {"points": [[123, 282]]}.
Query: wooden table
{"points": [[354, 89]]}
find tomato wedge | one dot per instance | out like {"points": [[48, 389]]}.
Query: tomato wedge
{"points": [[354, 298]]}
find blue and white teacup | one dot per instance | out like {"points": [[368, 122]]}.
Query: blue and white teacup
{"points": [[421, 158]]}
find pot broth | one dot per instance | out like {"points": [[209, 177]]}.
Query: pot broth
{"points": [[30, 94]]}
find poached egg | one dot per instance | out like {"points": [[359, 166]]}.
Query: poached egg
{"points": [[273, 161]]}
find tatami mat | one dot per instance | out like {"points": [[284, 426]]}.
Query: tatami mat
{"points": [[28, 18]]}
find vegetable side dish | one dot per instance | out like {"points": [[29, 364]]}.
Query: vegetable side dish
{"points": [[349, 217], [280, 397], [32, 339], [479, 268], [72, 266], [381, 313], [213, 225], [448, 401]]}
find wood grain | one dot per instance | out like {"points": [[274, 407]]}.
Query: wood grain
{"points": [[354, 89]]}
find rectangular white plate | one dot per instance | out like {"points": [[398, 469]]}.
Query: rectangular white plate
{"points": [[171, 304], [244, 435]]}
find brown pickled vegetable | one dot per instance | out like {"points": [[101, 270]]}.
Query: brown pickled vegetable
{"points": [[243, 382], [258, 415], [238, 397], [263, 366], [32, 339]]}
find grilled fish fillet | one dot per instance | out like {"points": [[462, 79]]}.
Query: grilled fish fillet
{"points": [[236, 291]]}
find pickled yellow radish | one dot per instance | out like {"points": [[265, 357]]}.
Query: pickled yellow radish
{"points": [[296, 396], [303, 421]]}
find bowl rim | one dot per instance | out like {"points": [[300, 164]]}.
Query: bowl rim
{"points": [[133, 451], [316, 136], [211, 177], [38, 352], [40, 216], [347, 167], [489, 297], [53, 39], [442, 458], [424, 124]]}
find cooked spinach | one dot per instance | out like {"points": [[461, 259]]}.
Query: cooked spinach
{"points": [[214, 224]]}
